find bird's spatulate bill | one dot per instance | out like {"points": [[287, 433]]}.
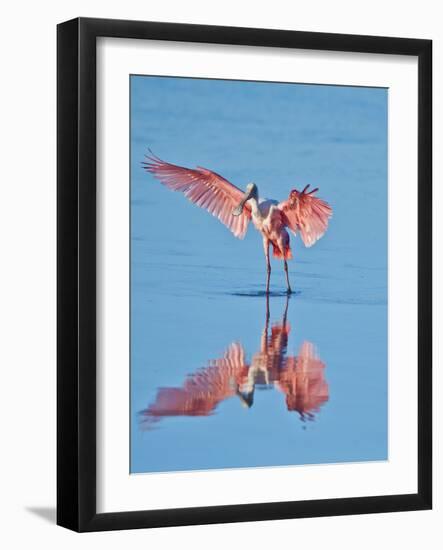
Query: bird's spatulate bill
{"points": [[239, 209]]}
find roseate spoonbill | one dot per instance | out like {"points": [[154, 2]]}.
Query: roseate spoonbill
{"points": [[301, 212], [300, 378]]}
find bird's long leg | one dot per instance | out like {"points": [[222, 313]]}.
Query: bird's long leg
{"points": [[285, 314], [264, 335], [268, 262], [268, 314], [288, 286]]}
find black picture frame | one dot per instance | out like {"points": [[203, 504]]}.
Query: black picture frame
{"points": [[76, 273]]}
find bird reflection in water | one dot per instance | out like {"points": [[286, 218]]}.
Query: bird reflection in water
{"points": [[300, 378]]}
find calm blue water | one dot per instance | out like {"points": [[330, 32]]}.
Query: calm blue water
{"points": [[208, 389]]}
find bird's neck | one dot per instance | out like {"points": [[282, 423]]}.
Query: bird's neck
{"points": [[253, 201]]}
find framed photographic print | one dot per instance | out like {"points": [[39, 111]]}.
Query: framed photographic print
{"points": [[244, 274]]}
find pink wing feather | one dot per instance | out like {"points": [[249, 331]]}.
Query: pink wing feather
{"points": [[202, 391], [205, 189], [304, 213]]}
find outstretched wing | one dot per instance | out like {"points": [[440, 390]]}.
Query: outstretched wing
{"points": [[202, 391], [304, 213], [205, 189], [303, 382]]}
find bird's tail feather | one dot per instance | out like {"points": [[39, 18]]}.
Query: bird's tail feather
{"points": [[277, 253]]}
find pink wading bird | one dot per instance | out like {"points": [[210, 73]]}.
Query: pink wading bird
{"points": [[301, 212], [300, 378]]}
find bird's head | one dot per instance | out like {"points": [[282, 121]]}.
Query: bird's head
{"points": [[250, 193]]}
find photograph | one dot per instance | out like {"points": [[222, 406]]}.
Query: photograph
{"points": [[258, 274], [220, 281]]}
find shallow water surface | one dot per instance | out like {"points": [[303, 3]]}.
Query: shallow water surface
{"points": [[221, 375]]}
